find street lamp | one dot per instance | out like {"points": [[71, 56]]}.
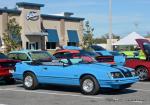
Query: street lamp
{"points": [[110, 24]]}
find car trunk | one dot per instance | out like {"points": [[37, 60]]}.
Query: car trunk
{"points": [[6, 66], [144, 44]]}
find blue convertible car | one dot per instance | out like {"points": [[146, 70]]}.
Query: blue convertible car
{"points": [[36, 68]]}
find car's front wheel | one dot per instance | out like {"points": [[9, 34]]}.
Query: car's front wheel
{"points": [[30, 81], [142, 73], [89, 85]]}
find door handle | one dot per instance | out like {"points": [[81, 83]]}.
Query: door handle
{"points": [[45, 68]]}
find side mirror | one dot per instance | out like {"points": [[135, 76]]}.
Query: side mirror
{"points": [[65, 64]]}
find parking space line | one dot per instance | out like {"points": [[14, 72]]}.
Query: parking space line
{"points": [[58, 94]]}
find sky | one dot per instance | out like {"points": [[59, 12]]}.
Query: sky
{"points": [[127, 15]]}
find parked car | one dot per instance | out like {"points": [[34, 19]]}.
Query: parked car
{"points": [[133, 54], [7, 67], [142, 67], [31, 55], [85, 55], [90, 77], [119, 59]]}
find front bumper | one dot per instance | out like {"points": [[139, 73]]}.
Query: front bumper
{"points": [[118, 83]]}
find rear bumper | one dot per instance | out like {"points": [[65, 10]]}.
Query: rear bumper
{"points": [[118, 83], [3, 77], [3, 74]]}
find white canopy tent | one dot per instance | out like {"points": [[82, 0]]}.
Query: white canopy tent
{"points": [[129, 39]]}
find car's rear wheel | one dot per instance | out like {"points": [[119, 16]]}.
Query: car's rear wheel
{"points": [[142, 73], [30, 81], [89, 85]]}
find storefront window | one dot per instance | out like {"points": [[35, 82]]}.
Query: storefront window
{"points": [[50, 45], [72, 44], [32, 45]]}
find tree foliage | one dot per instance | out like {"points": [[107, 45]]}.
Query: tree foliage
{"points": [[103, 39], [148, 35], [88, 35], [12, 36]]}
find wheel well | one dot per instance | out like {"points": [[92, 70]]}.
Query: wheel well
{"points": [[85, 75], [28, 71], [89, 75], [140, 66]]}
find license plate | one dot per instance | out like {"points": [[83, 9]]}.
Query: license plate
{"points": [[11, 71]]}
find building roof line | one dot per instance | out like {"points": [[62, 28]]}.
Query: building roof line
{"points": [[10, 10], [62, 17], [29, 4]]}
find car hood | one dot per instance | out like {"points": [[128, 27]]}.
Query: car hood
{"points": [[141, 43]]}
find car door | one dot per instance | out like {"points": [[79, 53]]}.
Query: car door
{"points": [[59, 74]]}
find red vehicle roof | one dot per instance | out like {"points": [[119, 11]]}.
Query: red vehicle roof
{"points": [[70, 51]]}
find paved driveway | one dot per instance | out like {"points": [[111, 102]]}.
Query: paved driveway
{"points": [[138, 94]]}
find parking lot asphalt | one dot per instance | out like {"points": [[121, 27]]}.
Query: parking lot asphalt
{"points": [[138, 94]]}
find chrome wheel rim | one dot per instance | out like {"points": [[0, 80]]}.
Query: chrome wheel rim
{"points": [[28, 81], [142, 73], [88, 85]]}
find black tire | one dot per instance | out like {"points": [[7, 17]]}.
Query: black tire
{"points": [[34, 83], [9, 80], [92, 91], [142, 72]]}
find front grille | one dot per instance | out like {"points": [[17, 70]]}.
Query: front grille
{"points": [[127, 74], [7, 64]]}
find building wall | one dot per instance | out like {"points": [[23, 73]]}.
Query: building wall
{"points": [[72, 25], [17, 17], [52, 24], [3, 24], [29, 26], [62, 26], [0, 24]]}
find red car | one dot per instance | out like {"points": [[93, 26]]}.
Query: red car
{"points": [[142, 67], [85, 55], [7, 67]]}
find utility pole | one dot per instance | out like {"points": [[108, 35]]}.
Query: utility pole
{"points": [[110, 24], [136, 24]]}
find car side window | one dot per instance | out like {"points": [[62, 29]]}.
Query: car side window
{"points": [[12, 56], [59, 55], [68, 55], [23, 57]]}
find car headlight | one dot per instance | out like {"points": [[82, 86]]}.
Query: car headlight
{"points": [[116, 75]]}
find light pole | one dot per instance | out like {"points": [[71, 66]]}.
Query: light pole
{"points": [[110, 24]]}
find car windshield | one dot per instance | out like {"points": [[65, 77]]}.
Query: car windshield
{"points": [[2, 56], [147, 48], [115, 53], [104, 53], [41, 55], [97, 48], [88, 53]]}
